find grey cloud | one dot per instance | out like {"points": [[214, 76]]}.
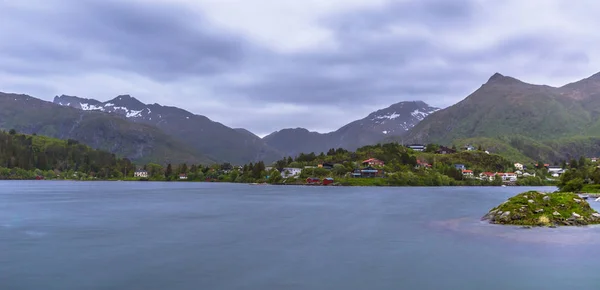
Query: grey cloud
{"points": [[171, 45], [163, 42]]}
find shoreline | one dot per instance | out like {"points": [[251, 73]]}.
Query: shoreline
{"points": [[591, 195]]}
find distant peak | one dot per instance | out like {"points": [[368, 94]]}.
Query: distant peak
{"points": [[496, 76]]}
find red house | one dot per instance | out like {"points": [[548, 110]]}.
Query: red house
{"points": [[313, 180], [373, 162], [328, 181]]}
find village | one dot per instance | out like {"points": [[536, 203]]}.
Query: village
{"points": [[422, 160]]}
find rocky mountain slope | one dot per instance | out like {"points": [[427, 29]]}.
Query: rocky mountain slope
{"points": [[393, 120], [138, 142], [213, 139], [505, 106]]}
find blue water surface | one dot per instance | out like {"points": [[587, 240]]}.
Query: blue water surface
{"points": [[145, 235]]}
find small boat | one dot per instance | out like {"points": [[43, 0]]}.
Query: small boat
{"points": [[503, 185], [598, 199]]}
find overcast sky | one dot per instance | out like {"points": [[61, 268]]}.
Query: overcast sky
{"points": [[270, 64]]}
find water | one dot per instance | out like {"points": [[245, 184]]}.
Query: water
{"points": [[122, 235]]}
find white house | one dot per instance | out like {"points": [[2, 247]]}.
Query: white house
{"points": [[141, 173], [554, 169], [594, 159], [467, 173], [288, 172], [518, 166], [489, 176], [183, 176], [508, 177]]}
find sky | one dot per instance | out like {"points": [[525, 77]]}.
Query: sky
{"points": [[265, 65]]}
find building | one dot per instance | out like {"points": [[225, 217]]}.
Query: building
{"points": [[290, 172], [554, 169], [327, 166], [489, 176], [367, 172], [460, 166], [594, 159], [508, 177], [183, 176], [328, 181], [518, 166], [423, 164], [141, 173], [445, 150], [467, 173], [313, 180], [417, 147], [373, 162], [469, 148]]}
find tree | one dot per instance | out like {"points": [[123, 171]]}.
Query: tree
{"points": [[582, 161], [479, 148], [169, 171], [12, 132]]}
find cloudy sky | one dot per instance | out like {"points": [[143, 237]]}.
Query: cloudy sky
{"points": [[271, 64]]}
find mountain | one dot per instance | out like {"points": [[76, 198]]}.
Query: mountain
{"points": [[393, 120], [213, 139], [505, 106], [138, 142]]}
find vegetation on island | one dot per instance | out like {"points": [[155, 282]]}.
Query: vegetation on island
{"points": [[535, 208]]}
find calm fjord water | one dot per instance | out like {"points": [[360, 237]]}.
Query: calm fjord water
{"points": [[128, 235]]}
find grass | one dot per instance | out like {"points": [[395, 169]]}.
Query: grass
{"points": [[533, 208]]}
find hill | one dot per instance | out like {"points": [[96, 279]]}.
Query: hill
{"points": [[26, 157], [213, 139], [393, 120], [137, 142], [507, 106]]}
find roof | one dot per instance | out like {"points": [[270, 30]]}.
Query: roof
{"points": [[467, 171], [488, 173], [372, 160]]}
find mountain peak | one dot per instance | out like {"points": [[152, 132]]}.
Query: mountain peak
{"points": [[127, 101], [496, 76]]}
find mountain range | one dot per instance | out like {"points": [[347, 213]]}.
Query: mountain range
{"points": [[394, 120], [515, 118]]}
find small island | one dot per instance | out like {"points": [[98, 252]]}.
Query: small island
{"points": [[535, 208]]}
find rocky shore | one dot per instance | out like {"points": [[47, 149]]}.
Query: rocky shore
{"points": [[535, 208]]}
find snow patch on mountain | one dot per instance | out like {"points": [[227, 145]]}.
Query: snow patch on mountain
{"points": [[88, 107]]}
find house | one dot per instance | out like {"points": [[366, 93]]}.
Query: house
{"points": [[594, 159], [313, 180], [417, 147], [553, 169], [469, 148], [183, 176], [368, 172], [373, 162], [328, 181], [508, 177], [327, 166], [141, 173], [460, 166], [445, 150], [289, 172], [423, 164], [557, 173], [467, 173], [545, 165], [519, 172], [489, 176], [518, 166]]}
